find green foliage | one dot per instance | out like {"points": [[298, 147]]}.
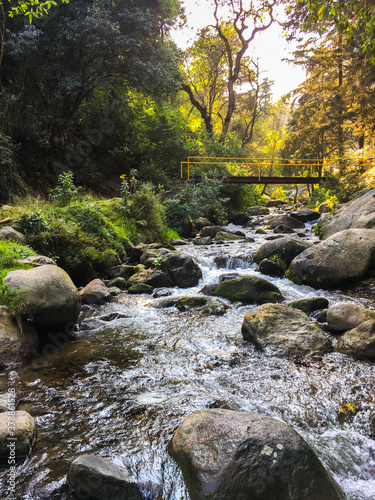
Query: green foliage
{"points": [[279, 194], [204, 200], [32, 9], [11, 181], [279, 260], [65, 189], [240, 196], [32, 223], [322, 195]]}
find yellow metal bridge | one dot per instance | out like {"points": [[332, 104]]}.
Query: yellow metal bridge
{"points": [[255, 170]]}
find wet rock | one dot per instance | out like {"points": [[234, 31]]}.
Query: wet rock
{"points": [[344, 316], [275, 237], [140, 288], [342, 257], [215, 307], [239, 219], [226, 454], [118, 283], [372, 424], [284, 220], [206, 240], [15, 343], [321, 317], [282, 229], [221, 261], [305, 215], [182, 270], [184, 303], [177, 243], [49, 295], [283, 331], [17, 434], [210, 231], [112, 316], [8, 233], [161, 293], [114, 290], [310, 305], [201, 222], [95, 293], [141, 277], [209, 289], [37, 260], [153, 255], [96, 478], [324, 208], [287, 248], [158, 279], [249, 289], [164, 303], [123, 271], [359, 343], [257, 211], [227, 277], [276, 203], [271, 267], [260, 230]]}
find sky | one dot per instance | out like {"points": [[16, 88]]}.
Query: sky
{"points": [[269, 47]]}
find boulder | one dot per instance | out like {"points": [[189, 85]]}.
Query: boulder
{"points": [[201, 222], [284, 220], [366, 221], [276, 203], [141, 277], [239, 219], [17, 434], [15, 343], [206, 240], [182, 270], [324, 208], [310, 305], [344, 256], [95, 293], [282, 229], [286, 248], [344, 316], [96, 478], [37, 260], [227, 236], [253, 211], [249, 289], [305, 214], [347, 215], [271, 267], [118, 283], [123, 271], [359, 343], [50, 297], [229, 455], [210, 231], [140, 288], [8, 233], [152, 255], [283, 331], [186, 227], [158, 279]]}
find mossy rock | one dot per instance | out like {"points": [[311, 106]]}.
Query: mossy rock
{"points": [[310, 305], [141, 288], [249, 289]]}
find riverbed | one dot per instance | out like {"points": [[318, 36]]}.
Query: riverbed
{"points": [[121, 388]]}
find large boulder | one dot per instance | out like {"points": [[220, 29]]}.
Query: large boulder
{"points": [[348, 214], [287, 248], [50, 297], [15, 343], [344, 316], [96, 478], [283, 220], [95, 293], [239, 219], [305, 214], [342, 257], [359, 342], [283, 331], [366, 221], [182, 270], [17, 434], [231, 455], [8, 233], [257, 211], [210, 231], [249, 289], [37, 260]]}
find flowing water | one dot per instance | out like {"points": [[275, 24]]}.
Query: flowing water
{"points": [[124, 385]]}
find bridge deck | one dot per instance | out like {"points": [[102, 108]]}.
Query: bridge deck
{"points": [[265, 180]]}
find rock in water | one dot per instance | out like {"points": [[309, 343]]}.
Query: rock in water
{"points": [[342, 257], [359, 342], [286, 248], [98, 479], [50, 297], [231, 455], [250, 289], [344, 316], [182, 270], [19, 425], [281, 330], [14, 343], [95, 292]]}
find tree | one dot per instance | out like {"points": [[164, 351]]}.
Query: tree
{"points": [[233, 38]]}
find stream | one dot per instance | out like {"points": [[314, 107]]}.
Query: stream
{"points": [[124, 385]]}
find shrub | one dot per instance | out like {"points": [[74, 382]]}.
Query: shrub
{"points": [[322, 195], [148, 212], [65, 189], [32, 223]]}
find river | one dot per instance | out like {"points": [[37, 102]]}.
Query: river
{"points": [[124, 385]]}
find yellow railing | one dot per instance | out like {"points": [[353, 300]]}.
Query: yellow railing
{"points": [[246, 164]]}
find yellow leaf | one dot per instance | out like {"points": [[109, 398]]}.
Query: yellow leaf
{"points": [[350, 407]]}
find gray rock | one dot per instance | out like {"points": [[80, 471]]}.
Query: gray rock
{"points": [[141, 277], [140, 288], [271, 267], [305, 214], [359, 342], [50, 297], [324, 208], [15, 343], [37, 260], [118, 283], [205, 240], [96, 478], [347, 215], [249, 289], [22, 425], [95, 293], [158, 279], [366, 221], [182, 270], [123, 271], [257, 211], [210, 231], [282, 229], [229, 455], [8, 233], [227, 236], [310, 305], [284, 220], [342, 257], [283, 331], [239, 219], [344, 316], [201, 222], [287, 248]]}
